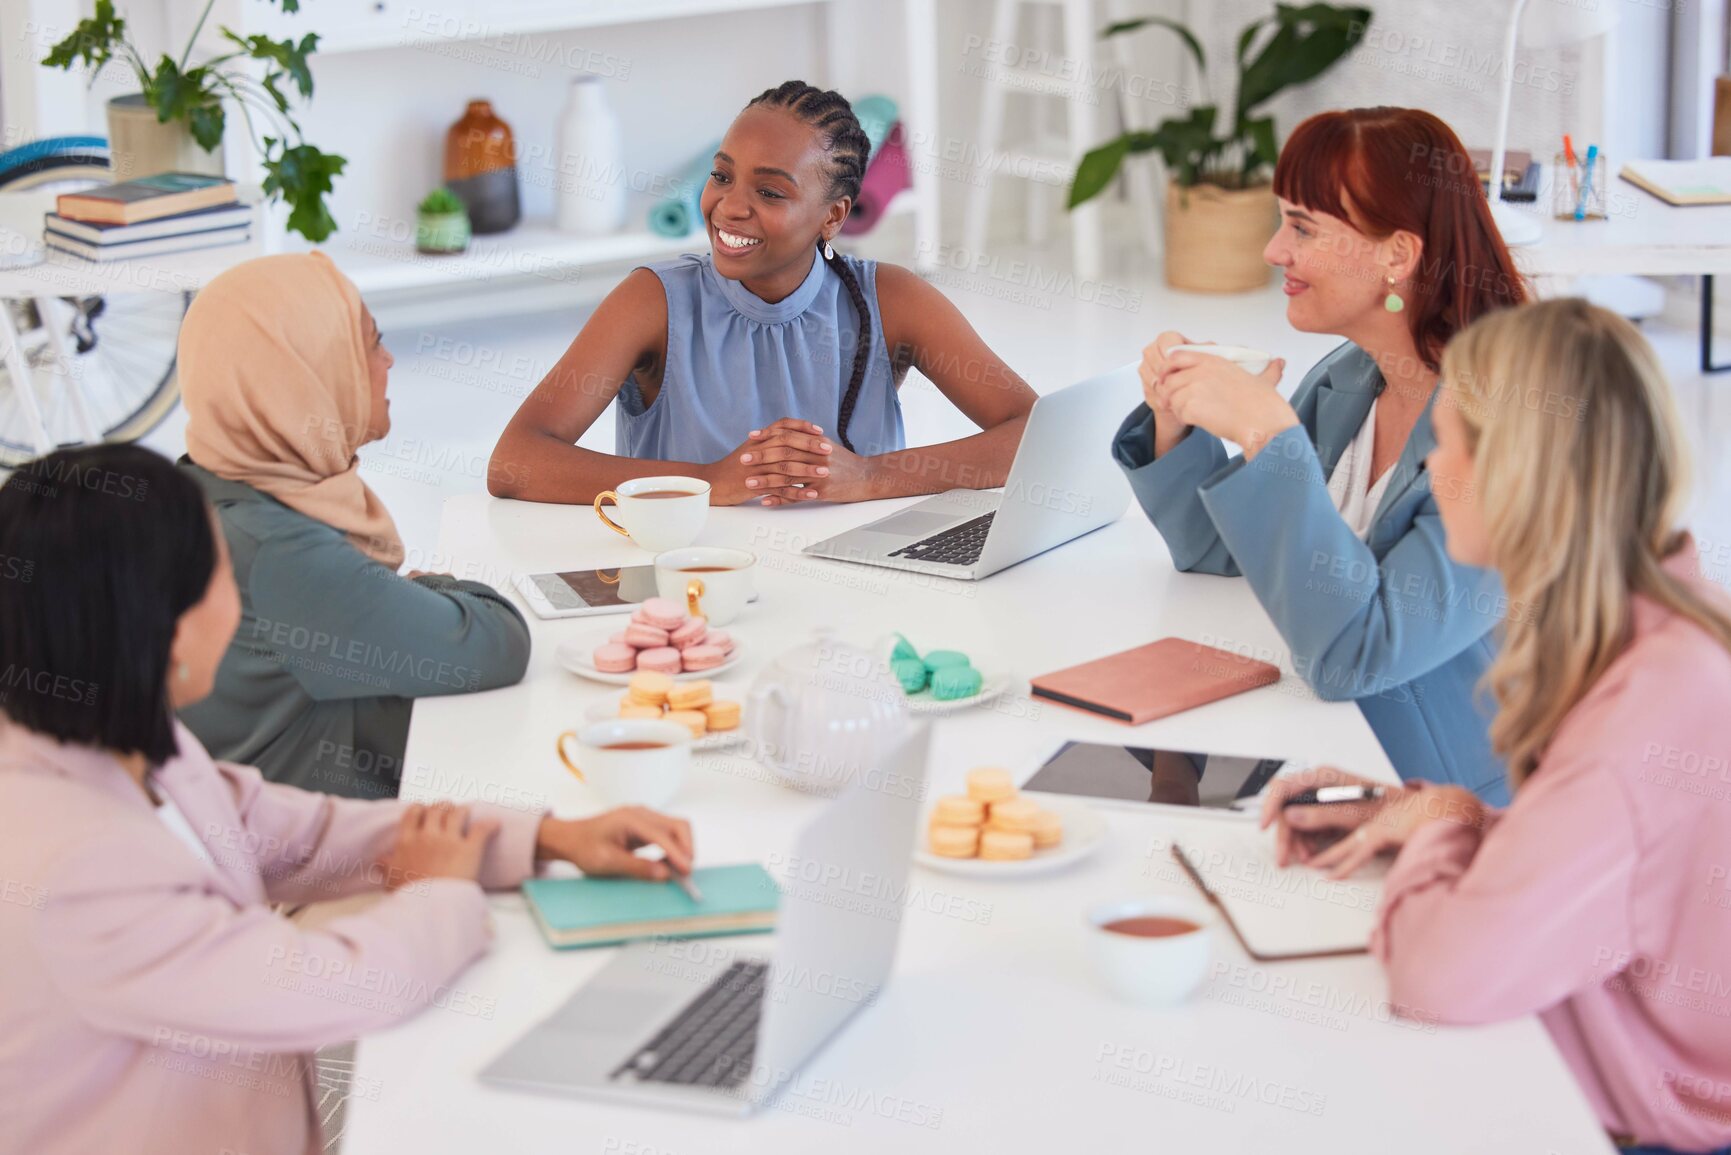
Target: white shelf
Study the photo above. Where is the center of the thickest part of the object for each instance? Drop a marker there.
(371, 25)
(533, 249)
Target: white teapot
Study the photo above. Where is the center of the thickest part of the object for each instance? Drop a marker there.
(824, 714)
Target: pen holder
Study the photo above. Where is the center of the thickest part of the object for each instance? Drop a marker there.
(1577, 194)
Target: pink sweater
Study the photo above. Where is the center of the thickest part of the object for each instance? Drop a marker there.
(1601, 898)
(152, 1005)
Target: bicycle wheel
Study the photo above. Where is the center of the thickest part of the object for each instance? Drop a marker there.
(117, 351)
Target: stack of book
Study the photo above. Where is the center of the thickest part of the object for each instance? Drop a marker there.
(171, 212)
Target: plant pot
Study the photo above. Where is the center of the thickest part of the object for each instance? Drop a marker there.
(139, 145)
(1215, 237)
(442, 232)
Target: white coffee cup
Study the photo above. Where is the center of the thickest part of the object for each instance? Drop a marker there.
(658, 512)
(629, 761)
(710, 581)
(1151, 971)
(1250, 360)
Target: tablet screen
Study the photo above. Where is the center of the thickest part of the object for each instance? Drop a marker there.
(575, 589)
(1139, 774)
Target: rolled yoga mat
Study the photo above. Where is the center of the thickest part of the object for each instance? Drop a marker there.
(877, 115)
(680, 212)
(885, 176)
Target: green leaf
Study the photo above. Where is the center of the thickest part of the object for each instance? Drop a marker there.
(1308, 41)
(1096, 171)
(93, 40)
(291, 6)
(302, 175)
(207, 122)
(1183, 33)
(287, 57)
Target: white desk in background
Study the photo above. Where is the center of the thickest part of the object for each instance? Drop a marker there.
(992, 1036)
(1641, 236)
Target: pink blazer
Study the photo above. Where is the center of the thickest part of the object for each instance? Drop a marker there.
(152, 1005)
(1601, 897)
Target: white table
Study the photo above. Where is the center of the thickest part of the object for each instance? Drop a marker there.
(992, 1035)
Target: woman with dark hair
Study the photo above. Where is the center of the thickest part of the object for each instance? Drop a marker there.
(154, 1002)
(1386, 239)
(734, 364)
(284, 374)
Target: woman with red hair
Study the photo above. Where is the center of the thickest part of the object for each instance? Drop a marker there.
(1387, 241)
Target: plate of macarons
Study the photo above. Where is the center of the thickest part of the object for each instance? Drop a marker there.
(995, 831)
(943, 681)
(712, 712)
(660, 638)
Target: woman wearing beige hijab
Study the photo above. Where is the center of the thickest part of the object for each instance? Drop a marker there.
(283, 372)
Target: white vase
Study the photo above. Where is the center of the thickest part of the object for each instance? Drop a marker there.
(139, 145)
(591, 185)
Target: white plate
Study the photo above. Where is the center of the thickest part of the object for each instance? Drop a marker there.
(1084, 832)
(577, 656)
(992, 687)
(607, 709)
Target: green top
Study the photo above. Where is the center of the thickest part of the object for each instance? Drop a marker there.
(333, 647)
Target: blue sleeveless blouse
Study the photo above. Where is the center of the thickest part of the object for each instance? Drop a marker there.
(736, 363)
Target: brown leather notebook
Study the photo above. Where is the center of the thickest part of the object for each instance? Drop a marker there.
(1155, 680)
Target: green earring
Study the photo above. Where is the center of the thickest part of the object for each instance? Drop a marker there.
(1393, 302)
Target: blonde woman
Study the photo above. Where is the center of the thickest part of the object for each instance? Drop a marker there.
(1590, 900)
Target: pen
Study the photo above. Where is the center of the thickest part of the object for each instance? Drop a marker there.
(1586, 182)
(683, 881)
(1333, 795)
(1574, 168)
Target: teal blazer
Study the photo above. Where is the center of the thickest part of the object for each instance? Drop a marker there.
(1391, 622)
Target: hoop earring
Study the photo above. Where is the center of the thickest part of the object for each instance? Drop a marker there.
(1393, 302)
(828, 251)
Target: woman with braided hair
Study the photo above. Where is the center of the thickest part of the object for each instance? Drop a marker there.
(770, 366)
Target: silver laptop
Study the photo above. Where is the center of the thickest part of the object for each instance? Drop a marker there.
(1063, 484)
(712, 1025)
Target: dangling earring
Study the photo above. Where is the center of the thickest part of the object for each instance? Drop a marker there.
(180, 671)
(828, 251)
(1392, 302)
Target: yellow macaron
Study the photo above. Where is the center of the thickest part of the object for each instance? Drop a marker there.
(722, 714)
(990, 784)
(955, 841)
(1005, 845)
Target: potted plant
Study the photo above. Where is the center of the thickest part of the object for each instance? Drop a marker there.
(441, 223)
(176, 120)
(1220, 206)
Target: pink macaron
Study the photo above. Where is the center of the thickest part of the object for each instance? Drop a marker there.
(662, 613)
(720, 639)
(615, 658)
(644, 637)
(690, 633)
(702, 657)
(661, 659)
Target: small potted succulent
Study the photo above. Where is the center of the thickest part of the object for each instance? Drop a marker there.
(442, 223)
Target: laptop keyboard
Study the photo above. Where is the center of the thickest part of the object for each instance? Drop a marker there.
(711, 1041)
(958, 545)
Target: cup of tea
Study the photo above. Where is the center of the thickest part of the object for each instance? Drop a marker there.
(1151, 951)
(658, 513)
(629, 761)
(709, 581)
(1250, 360)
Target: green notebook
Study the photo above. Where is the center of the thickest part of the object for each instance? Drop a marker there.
(579, 912)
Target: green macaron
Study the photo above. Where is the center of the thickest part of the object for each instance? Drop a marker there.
(903, 649)
(911, 673)
(939, 659)
(955, 681)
